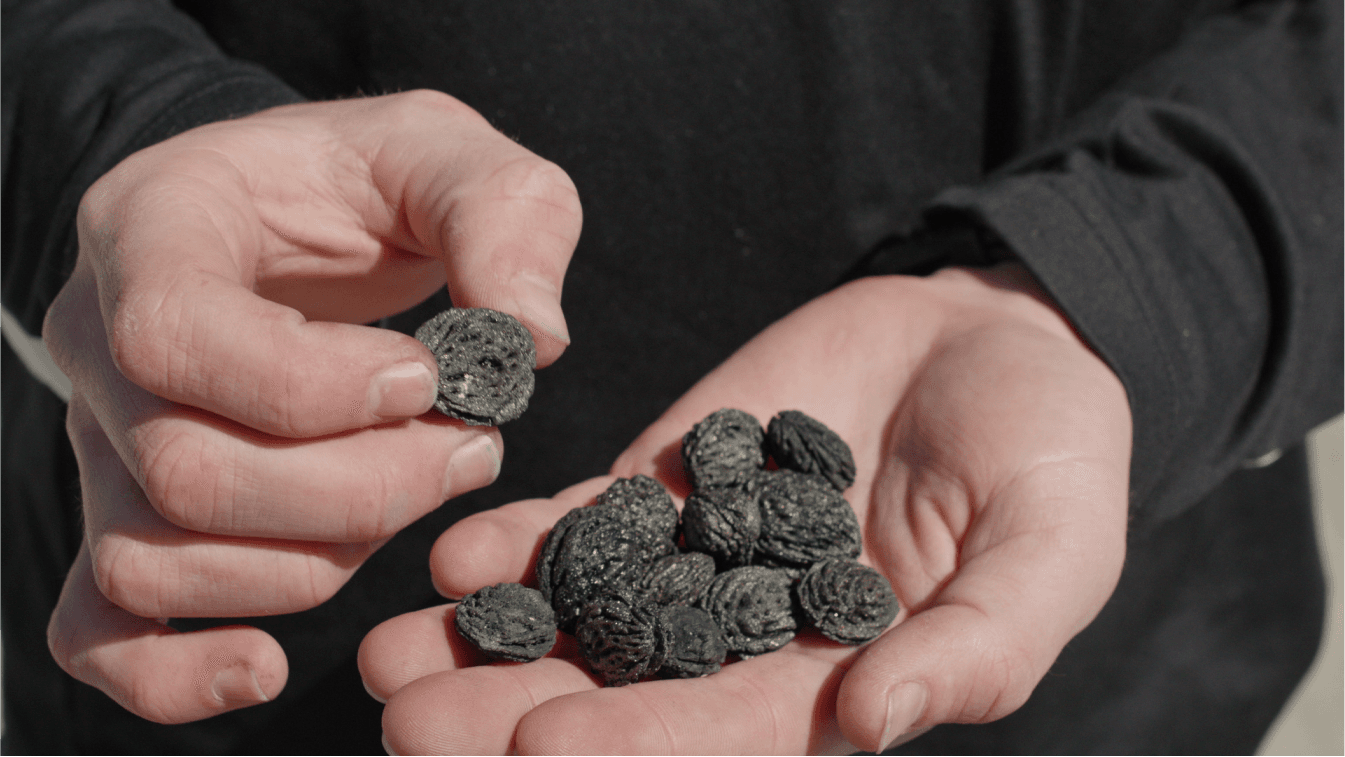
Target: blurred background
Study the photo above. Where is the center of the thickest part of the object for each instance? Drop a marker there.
(1314, 720)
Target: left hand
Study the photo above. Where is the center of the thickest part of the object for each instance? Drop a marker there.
(993, 451)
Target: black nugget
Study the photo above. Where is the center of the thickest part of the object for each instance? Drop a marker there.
(723, 449)
(486, 361)
(848, 602)
(802, 443)
(677, 579)
(754, 607)
(606, 550)
(692, 644)
(723, 522)
(647, 500)
(803, 520)
(618, 636)
(508, 622)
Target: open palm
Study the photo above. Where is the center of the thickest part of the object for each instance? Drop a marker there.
(992, 450)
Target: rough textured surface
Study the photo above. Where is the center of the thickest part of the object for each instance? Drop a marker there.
(605, 550)
(723, 449)
(546, 559)
(647, 500)
(848, 602)
(486, 361)
(754, 607)
(803, 520)
(802, 443)
(693, 645)
(677, 579)
(618, 636)
(508, 622)
(723, 522)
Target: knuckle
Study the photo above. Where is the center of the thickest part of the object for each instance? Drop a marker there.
(127, 575)
(415, 105)
(178, 477)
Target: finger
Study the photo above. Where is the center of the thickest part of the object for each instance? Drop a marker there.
(411, 646)
(208, 474)
(476, 710)
(504, 221)
(152, 670)
(780, 703)
(152, 568)
(501, 545)
(974, 652)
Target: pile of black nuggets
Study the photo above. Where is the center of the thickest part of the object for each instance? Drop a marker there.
(765, 553)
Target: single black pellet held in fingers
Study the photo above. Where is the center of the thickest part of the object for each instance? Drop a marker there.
(803, 520)
(723, 522)
(507, 621)
(723, 449)
(677, 579)
(847, 601)
(755, 608)
(802, 443)
(486, 360)
(618, 637)
(693, 645)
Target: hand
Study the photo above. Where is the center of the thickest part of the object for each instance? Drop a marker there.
(992, 451)
(243, 445)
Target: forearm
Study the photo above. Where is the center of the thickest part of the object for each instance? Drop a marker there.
(1189, 224)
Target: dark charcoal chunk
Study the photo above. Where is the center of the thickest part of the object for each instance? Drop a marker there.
(604, 551)
(693, 645)
(486, 359)
(804, 444)
(677, 579)
(723, 449)
(754, 608)
(648, 500)
(618, 636)
(803, 520)
(508, 622)
(723, 522)
(848, 602)
(546, 559)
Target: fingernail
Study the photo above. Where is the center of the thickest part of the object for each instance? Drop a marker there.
(402, 391)
(905, 705)
(387, 748)
(539, 302)
(371, 693)
(237, 685)
(474, 465)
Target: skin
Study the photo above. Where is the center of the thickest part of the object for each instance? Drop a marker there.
(993, 451)
(243, 445)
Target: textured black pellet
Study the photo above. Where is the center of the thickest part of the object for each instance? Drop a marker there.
(693, 645)
(801, 443)
(804, 520)
(508, 622)
(723, 522)
(486, 361)
(846, 601)
(601, 551)
(754, 607)
(647, 500)
(723, 449)
(677, 579)
(618, 637)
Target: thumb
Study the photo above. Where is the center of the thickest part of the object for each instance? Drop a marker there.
(504, 221)
(976, 650)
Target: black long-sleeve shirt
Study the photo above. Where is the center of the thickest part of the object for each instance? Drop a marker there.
(1170, 171)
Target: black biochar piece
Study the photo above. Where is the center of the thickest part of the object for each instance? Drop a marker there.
(647, 500)
(693, 645)
(618, 636)
(604, 551)
(546, 559)
(846, 601)
(508, 622)
(723, 449)
(754, 607)
(677, 579)
(486, 361)
(801, 443)
(804, 520)
(723, 522)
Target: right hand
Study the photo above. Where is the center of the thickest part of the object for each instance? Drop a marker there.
(243, 444)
